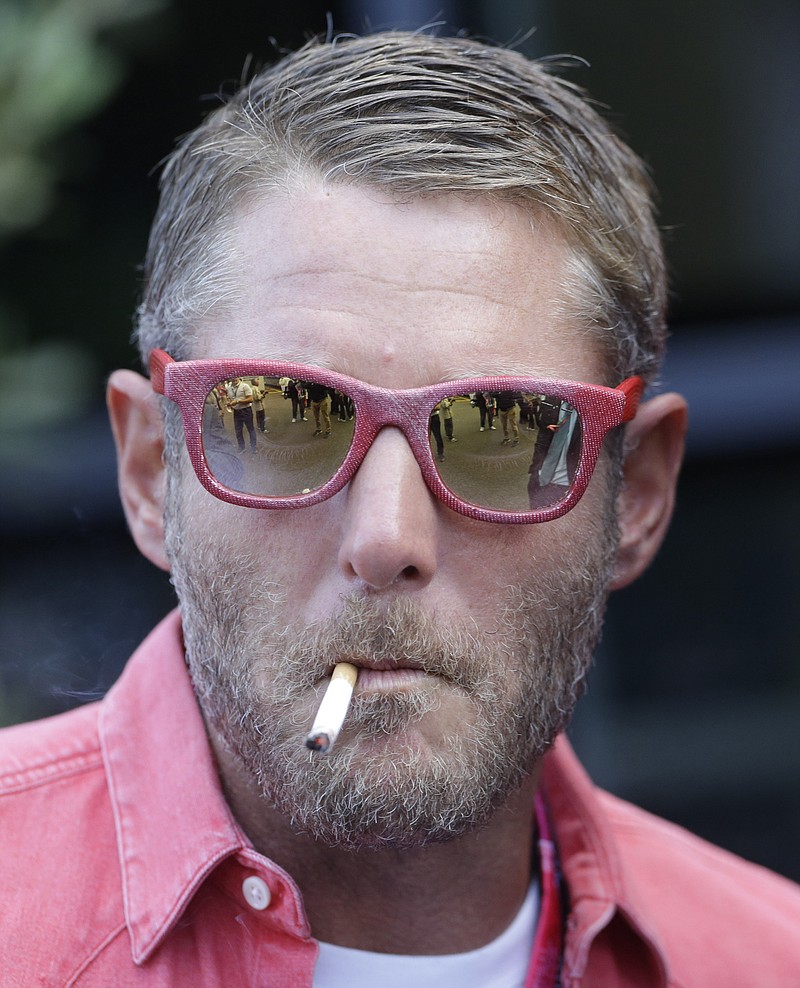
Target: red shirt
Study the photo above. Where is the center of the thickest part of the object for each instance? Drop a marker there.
(122, 865)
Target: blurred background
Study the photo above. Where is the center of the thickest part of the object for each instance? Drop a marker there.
(694, 704)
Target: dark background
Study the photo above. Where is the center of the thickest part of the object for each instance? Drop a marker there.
(694, 704)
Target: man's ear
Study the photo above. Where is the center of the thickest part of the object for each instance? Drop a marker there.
(138, 432)
(654, 444)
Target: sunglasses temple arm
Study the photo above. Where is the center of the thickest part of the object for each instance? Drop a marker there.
(159, 360)
(632, 388)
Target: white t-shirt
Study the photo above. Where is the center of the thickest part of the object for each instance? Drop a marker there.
(239, 392)
(503, 963)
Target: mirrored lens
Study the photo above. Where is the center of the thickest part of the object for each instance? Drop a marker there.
(507, 450)
(275, 437)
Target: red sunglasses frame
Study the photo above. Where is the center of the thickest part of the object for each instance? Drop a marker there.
(189, 382)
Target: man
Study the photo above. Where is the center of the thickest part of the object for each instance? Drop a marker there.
(381, 215)
(240, 401)
(446, 404)
(435, 428)
(507, 407)
(258, 405)
(320, 399)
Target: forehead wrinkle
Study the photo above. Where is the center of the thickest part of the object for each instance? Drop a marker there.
(450, 296)
(330, 281)
(494, 293)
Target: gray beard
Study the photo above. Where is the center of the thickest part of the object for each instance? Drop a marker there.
(254, 673)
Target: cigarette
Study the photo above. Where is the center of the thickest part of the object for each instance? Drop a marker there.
(333, 709)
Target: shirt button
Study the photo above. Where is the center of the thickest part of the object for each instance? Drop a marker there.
(256, 892)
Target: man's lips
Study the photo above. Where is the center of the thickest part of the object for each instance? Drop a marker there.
(388, 679)
(387, 674)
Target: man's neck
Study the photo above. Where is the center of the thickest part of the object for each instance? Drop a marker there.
(438, 899)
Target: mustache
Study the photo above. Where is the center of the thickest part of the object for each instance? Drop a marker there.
(392, 634)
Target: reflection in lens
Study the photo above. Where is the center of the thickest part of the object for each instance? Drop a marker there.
(507, 450)
(275, 437)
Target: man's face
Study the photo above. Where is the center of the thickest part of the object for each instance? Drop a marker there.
(472, 637)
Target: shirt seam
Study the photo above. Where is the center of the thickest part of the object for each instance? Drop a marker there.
(85, 964)
(142, 946)
(45, 773)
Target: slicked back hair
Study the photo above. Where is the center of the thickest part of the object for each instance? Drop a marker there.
(414, 115)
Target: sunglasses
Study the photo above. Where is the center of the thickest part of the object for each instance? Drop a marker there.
(275, 434)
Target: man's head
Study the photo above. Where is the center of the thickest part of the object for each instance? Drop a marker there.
(407, 211)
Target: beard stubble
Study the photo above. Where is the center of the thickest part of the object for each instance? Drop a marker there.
(258, 677)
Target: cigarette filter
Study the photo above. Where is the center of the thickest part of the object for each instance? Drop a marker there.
(333, 708)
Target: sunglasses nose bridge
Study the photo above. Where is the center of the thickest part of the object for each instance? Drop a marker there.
(404, 411)
(401, 409)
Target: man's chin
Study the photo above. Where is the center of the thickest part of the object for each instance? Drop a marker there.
(398, 789)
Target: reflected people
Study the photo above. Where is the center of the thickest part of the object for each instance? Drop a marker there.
(506, 404)
(435, 428)
(556, 452)
(240, 401)
(320, 400)
(258, 406)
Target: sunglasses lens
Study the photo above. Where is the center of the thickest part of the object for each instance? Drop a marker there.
(506, 450)
(275, 437)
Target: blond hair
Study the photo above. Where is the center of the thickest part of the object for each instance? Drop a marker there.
(415, 115)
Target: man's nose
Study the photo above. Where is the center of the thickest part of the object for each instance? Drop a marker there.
(391, 519)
